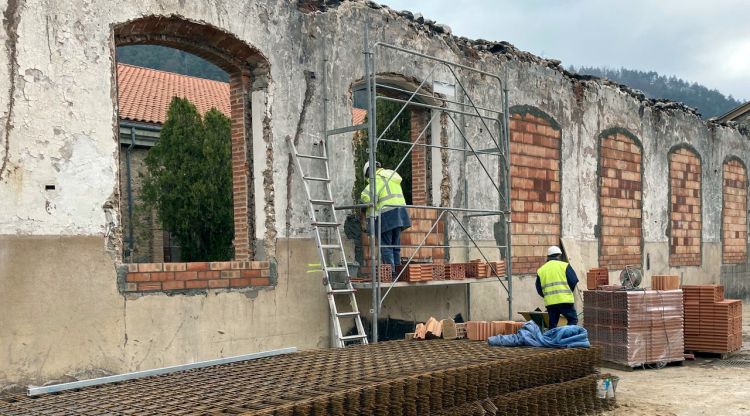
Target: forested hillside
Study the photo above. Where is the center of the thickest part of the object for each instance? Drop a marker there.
(710, 103)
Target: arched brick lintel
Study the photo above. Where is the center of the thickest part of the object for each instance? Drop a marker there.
(536, 112)
(621, 130)
(211, 43)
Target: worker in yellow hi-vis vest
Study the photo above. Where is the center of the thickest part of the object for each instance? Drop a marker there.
(555, 282)
(395, 217)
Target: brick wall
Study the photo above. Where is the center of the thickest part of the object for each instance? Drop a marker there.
(734, 213)
(150, 277)
(620, 201)
(535, 189)
(422, 220)
(419, 179)
(685, 208)
(241, 193)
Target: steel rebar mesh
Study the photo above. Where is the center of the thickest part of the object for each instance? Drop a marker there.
(390, 378)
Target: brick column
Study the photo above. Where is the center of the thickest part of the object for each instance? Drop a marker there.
(734, 213)
(685, 208)
(419, 158)
(239, 83)
(535, 189)
(620, 202)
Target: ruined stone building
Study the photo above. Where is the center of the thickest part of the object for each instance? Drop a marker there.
(621, 179)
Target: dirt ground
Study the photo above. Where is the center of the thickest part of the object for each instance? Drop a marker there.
(706, 386)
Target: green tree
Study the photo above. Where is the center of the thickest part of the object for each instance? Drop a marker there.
(389, 154)
(189, 181)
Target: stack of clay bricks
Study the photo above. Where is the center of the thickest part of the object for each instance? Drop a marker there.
(414, 272)
(385, 272)
(665, 282)
(636, 327)
(712, 323)
(597, 277)
(478, 269)
(481, 330)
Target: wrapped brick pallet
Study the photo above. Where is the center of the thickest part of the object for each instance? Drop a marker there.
(712, 323)
(636, 327)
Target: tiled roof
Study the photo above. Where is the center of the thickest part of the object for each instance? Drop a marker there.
(144, 94)
(358, 115)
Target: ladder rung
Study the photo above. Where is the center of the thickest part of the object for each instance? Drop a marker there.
(315, 178)
(342, 291)
(335, 269)
(325, 224)
(321, 202)
(353, 337)
(347, 314)
(312, 157)
(331, 246)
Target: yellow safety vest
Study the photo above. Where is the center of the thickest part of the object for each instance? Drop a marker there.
(555, 283)
(388, 192)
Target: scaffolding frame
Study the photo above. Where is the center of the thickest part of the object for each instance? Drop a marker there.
(466, 107)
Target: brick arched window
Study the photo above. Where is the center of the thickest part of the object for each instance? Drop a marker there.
(247, 70)
(620, 199)
(685, 222)
(535, 140)
(734, 212)
(248, 73)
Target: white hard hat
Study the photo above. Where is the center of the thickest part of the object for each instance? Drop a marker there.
(367, 166)
(553, 251)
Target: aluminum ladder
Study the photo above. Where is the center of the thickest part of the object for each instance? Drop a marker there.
(330, 223)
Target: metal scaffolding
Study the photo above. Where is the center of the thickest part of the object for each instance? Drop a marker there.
(491, 125)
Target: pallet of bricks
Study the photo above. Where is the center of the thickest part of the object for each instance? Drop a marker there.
(424, 272)
(712, 323)
(635, 327)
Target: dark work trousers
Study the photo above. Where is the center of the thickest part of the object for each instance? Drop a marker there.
(391, 255)
(568, 310)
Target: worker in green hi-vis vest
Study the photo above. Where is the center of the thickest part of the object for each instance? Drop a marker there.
(389, 202)
(555, 282)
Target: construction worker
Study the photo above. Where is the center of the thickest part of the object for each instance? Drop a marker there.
(555, 282)
(389, 201)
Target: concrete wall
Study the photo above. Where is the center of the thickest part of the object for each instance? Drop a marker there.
(61, 314)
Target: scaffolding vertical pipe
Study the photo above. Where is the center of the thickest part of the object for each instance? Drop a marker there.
(509, 215)
(371, 134)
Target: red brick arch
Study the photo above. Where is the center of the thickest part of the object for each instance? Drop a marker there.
(535, 140)
(685, 207)
(248, 71)
(620, 199)
(734, 212)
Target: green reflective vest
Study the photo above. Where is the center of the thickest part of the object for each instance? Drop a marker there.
(555, 283)
(387, 190)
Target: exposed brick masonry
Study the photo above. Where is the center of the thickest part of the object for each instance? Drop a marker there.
(148, 277)
(620, 202)
(419, 158)
(535, 190)
(734, 213)
(685, 208)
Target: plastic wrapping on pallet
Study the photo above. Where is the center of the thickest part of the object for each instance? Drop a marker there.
(636, 327)
(712, 323)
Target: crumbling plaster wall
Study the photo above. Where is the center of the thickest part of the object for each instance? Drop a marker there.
(57, 87)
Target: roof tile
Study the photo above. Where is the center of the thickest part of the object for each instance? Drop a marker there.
(144, 94)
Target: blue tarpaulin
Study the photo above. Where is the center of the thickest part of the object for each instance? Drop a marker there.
(569, 336)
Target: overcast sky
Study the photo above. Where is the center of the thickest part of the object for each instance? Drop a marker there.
(700, 41)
